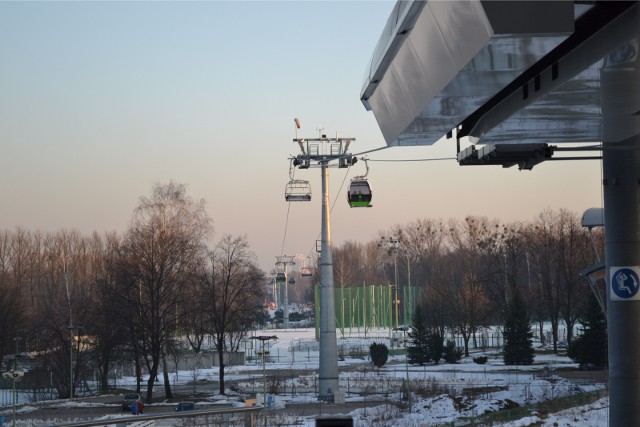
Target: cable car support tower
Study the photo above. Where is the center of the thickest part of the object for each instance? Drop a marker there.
(281, 263)
(320, 152)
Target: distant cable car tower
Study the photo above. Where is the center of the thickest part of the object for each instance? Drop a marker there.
(282, 262)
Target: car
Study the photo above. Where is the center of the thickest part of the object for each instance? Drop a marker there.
(186, 406)
(128, 399)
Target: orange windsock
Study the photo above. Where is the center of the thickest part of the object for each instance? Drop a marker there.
(297, 121)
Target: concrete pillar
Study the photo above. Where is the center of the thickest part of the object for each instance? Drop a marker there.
(620, 89)
(328, 371)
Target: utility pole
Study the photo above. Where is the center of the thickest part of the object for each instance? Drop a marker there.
(282, 261)
(320, 152)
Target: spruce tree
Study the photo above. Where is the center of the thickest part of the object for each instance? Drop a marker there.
(451, 353)
(418, 348)
(518, 337)
(590, 348)
(435, 346)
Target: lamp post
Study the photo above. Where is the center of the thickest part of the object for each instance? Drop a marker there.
(264, 339)
(391, 245)
(13, 374)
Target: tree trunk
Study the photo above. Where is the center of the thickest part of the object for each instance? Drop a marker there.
(104, 376)
(138, 372)
(165, 376)
(153, 374)
(221, 374)
(465, 339)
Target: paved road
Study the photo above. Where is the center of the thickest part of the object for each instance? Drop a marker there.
(88, 409)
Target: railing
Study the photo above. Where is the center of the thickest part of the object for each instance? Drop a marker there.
(244, 416)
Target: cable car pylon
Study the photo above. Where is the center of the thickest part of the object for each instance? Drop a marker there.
(322, 152)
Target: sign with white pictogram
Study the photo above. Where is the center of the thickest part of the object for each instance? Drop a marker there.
(625, 283)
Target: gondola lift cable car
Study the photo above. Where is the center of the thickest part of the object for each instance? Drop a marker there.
(297, 190)
(359, 194)
(281, 278)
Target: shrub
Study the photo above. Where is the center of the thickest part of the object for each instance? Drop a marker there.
(480, 360)
(379, 354)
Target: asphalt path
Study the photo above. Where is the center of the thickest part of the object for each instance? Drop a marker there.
(90, 408)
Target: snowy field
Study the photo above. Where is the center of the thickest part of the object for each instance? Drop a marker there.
(444, 394)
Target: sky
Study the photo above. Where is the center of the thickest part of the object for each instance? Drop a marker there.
(101, 100)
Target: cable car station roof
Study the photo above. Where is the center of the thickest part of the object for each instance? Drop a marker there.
(502, 72)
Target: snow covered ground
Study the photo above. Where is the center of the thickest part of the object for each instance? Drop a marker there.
(441, 394)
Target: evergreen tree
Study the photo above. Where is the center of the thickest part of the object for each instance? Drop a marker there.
(518, 337)
(451, 352)
(379, 354)
(590, 348)
(435, 346)
(418, 349)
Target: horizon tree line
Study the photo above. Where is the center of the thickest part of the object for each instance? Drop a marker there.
(133, 296)
(85, 304)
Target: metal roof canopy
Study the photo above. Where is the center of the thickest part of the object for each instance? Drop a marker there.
(446, 66)
(502, 72)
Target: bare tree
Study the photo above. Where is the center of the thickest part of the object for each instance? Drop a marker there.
(165, 245)
(106, 325)
(235, 293)
(573, 254)
(542, 241)
(65, 307)
(466, 293)
(12, 314)
(423, 242)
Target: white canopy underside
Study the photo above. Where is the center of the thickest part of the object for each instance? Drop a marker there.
(501, 71)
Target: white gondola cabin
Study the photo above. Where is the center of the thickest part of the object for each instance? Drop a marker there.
(297, 190)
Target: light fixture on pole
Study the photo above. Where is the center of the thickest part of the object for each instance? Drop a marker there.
(595, 274)
(13, 374)
(263, 340)
(391, 245)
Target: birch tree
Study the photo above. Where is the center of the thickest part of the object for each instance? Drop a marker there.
(165, 246)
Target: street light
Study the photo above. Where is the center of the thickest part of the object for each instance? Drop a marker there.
(264, 339)
(13, 374)
(391, 245)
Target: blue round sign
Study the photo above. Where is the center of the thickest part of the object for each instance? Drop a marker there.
(625, 283)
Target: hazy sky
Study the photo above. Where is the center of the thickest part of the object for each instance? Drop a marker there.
(100, 100)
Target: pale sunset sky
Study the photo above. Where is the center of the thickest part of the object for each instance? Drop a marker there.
(100, 100)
